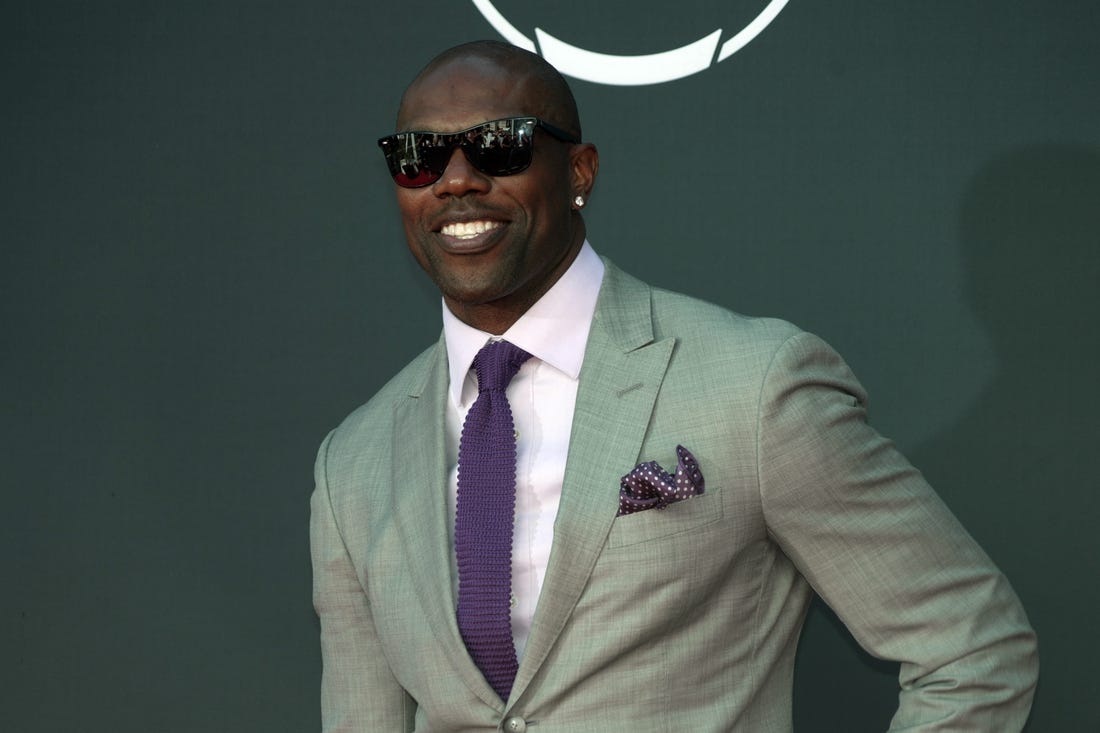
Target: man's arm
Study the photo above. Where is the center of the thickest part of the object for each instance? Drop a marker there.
(358, 691)
(886, 554)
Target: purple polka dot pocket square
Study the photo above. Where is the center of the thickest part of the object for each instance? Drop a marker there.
(648, 486)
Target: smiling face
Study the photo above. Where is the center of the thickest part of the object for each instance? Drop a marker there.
(493, 245)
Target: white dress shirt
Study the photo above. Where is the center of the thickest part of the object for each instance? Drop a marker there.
(542, 396)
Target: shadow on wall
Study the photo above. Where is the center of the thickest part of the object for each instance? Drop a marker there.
(1019, 468)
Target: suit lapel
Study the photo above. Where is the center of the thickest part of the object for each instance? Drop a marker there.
(622, 373)
(420, 487)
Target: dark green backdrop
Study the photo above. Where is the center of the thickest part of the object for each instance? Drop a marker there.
(202, 272)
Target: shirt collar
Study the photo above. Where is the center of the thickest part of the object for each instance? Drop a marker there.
(553, 330)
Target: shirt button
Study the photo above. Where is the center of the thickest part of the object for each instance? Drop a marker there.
(515, 725)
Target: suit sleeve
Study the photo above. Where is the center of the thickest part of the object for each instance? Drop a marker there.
(886, 554)
(358, 690)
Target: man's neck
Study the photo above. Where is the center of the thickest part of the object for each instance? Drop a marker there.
(498, 316)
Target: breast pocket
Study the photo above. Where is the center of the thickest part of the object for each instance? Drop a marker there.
(688, 515)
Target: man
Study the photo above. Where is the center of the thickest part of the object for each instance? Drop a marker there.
(680, 617)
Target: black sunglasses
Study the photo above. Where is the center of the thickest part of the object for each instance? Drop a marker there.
(496, 148)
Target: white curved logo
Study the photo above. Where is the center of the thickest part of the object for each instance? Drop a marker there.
(631, 70)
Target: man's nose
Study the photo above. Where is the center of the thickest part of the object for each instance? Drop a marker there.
(460, 177)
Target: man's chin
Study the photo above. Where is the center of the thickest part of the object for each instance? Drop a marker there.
(472, 297)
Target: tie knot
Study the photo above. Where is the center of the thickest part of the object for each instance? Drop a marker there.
(497, 363)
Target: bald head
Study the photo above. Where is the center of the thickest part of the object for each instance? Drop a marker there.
(542, 90)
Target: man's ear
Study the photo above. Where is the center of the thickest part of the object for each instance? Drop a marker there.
(584, 162)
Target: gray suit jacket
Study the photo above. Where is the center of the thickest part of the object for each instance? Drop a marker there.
(681, 619)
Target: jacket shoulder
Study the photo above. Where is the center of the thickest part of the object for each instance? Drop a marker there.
(683, 317)
(378, 410)
(700, 324)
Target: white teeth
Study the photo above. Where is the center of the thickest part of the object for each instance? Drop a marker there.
(468, 229)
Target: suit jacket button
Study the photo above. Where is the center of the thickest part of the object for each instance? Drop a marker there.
(515, 725)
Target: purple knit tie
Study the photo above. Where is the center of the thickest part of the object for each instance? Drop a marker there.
(485, 516)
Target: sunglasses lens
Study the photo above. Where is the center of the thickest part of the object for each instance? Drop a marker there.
(412, 158)
(413, 175)
(502, 149)
(497, 148)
